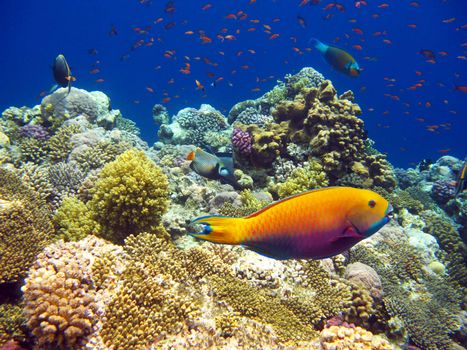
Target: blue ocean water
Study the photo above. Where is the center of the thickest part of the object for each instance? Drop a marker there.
(126, 41)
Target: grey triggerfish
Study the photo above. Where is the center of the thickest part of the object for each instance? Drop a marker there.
(62, 72)
(338, 58)
(213, 167)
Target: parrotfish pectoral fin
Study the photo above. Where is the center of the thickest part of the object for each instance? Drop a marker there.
(219, 229)
(349, 232)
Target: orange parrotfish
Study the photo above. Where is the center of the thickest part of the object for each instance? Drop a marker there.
(312, 225)
(339, 59)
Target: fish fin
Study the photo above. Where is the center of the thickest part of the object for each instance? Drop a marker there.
(349, 232)
(191, 155)
(219, 229)
(289, 198)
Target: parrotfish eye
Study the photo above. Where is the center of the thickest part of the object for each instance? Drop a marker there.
(372, 203)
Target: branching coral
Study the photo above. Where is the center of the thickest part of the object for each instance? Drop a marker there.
(33, 150)
(12, 322)
(249, 205)
(59, 144)
(99, 154)
(451, 242)
(25, 227)
(130, 196)
(310, 176)
(149, 294)
(74, 220)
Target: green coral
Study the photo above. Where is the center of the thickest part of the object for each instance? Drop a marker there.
(60, 144)
(427, 305)
(130, 196)
(33, 150)
(149, 294)
(25, 227)
(74, 220)
(403, 199)
(12, 323)
(249, 205)
(310, 176)
(451, 242)
(99, 154)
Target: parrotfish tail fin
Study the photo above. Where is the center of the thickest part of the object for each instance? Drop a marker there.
(220, 229)
(318, 45)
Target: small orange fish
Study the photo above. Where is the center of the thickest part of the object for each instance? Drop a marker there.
(274, 36)
(358, 31)
(199, 86)
(100, 80)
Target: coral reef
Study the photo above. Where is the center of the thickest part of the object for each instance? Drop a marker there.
(190, 125)
(97, 221)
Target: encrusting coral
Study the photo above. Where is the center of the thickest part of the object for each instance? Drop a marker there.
(130, 196)
(25, 227)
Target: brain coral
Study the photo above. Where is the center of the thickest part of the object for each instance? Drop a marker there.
(130, 196)
(25, 227)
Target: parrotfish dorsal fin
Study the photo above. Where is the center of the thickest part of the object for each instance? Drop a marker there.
(291, 197)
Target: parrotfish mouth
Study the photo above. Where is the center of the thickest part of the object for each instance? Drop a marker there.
(389, 212)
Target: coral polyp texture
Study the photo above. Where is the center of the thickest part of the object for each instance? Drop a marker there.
(95, 251)
(130, 195)
(25, 227)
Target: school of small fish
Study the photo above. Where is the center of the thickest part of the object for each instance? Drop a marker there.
(240, 27)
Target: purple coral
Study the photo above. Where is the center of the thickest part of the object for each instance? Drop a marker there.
(35, 131)
(241, 141)
(443, 190)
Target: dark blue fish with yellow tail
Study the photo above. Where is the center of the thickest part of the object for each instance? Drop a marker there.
(339, 59)
(215, 167)
(62, 72)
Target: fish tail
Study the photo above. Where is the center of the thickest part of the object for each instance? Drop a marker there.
(220, 229)
(318, 45)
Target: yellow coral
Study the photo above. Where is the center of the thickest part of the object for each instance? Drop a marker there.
(339, 337)
(311, 176)
(74, 220)
(130, 196)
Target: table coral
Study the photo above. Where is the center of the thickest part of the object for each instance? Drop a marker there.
(130, 196)
(25, 227)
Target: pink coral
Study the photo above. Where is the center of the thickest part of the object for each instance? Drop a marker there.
(241, 141)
